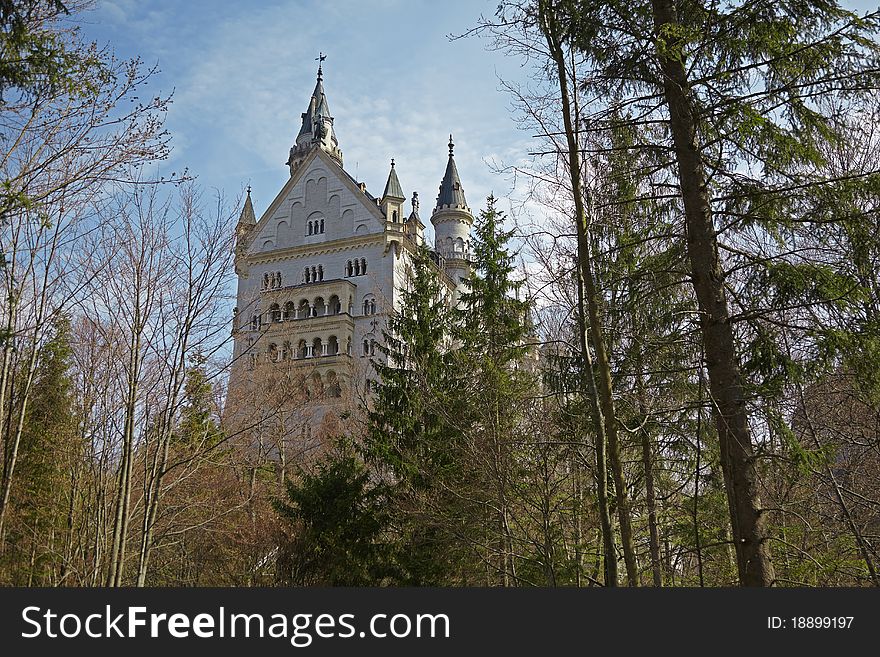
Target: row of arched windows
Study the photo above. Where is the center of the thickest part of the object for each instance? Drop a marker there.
(272, 281)
(306, 309)
(313, 274)
(314, 348)
(315, 227)
(303, 310)
(356, 267)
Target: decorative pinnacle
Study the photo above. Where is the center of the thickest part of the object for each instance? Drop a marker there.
(392, 162)
(451, 145)
(248, 190)
(415, 202)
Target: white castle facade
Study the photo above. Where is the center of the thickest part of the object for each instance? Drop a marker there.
(321, 269)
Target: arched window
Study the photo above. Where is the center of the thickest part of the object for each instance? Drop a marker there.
(289, 311)
(317, 348)
(363, 266)
(394, 216)
(366, 347)
(315, 274)
(303, 311)
(357, 267)
(308, 275)
(266, 281)
(301, 350)
(310, 228)
(348, 268)
(322, 225)
(319, 308)
(320, 272)
(335, 305)
(274, 313)
(332, 346)
(278, 279)
(285, 351)
(255, 322)
(273, 352)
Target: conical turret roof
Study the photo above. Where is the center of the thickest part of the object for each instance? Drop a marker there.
(393, 190)
(318, 111)
(247, 216)
(451, 192)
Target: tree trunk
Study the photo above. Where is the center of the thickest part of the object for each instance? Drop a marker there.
(650, 494)
(725, 380)
(591, 298)
(599, 426)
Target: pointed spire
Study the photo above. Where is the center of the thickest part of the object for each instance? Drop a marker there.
(318, 111)
(317, 126)
(451, 192)
(247, 216)
(393, 190)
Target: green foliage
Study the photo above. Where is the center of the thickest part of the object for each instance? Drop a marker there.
(337, 519)
(47, 450)
(36, 60)
(197, 426)
(494, 323)
(408, 432)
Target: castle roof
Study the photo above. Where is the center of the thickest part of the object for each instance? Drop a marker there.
(393, 190)
(451, 192)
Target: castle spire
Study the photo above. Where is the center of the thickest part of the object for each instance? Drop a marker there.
(247, 216)
(452, 221)
(316, 130)
(451, 192)
(393, 190)
(393, 198)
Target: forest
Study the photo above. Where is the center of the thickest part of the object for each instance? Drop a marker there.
(665, 370)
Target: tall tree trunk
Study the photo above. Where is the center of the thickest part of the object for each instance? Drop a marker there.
(123, 490)
(648, 467)
(591, 295)
(587, 380)
(725, 379)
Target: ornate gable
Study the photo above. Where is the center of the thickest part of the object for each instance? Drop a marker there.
(319, 203)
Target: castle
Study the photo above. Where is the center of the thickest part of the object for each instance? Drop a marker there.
(321, 269)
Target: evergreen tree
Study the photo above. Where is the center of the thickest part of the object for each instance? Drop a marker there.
(413, 437)
(197, 426)
(48, 452)
(492, 334)
(337, 526)
(409, 431)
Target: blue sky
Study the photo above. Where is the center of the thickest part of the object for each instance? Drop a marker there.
(242, 73)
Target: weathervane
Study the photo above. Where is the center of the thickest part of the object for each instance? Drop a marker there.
(320, 59)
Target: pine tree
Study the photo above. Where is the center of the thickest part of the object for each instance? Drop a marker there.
(493, 331)
(409, 431)
(337, 526)
(48, 452)
(197, 426)
(414, 429)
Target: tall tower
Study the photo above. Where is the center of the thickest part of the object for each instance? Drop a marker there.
(452, 221)
(316, 130)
